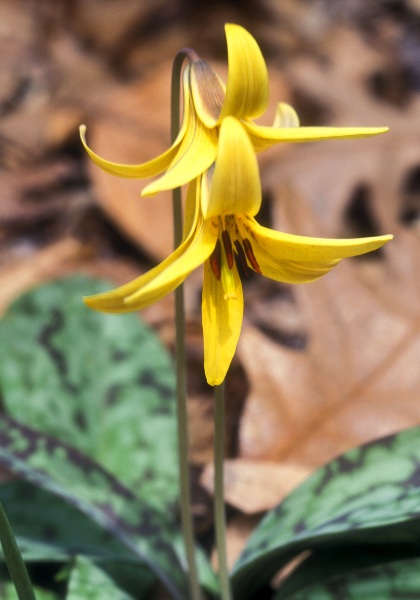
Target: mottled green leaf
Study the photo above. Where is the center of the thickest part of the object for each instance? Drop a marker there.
(77, 479)
(50, 529)
(344, 562)
(89, 582)
(47, 528)
(399, 580)
(102, 383)
(369, 496)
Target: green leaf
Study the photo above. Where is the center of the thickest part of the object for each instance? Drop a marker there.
(62, 470)
(48, 528)
(105, 384)
(8, 592)
(342, 563)
(369, 496)
(88, 581)
(102, 383)
(394, 580)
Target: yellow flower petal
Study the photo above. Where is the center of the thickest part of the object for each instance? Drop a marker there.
(289, 271)
(298, 259)
(247, 84)
(148, 169)
(234, 186)
(222, 322)
(208, 92)
(286, 116)
(191, 209)
(152, 167)
(165, 277)
(265, 137)
(195, 154)
(194, 252)
(114, 300)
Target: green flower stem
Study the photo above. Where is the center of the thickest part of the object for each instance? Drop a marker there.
(14, 561)
(219, 507)
(183, 439)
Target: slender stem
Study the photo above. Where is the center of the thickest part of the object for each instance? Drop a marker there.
(219, 507)
(14, 561)
(181, 389)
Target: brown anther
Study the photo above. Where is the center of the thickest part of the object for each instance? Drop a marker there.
(240, 260)
(250, 255)
(227, 245)
(216, 260)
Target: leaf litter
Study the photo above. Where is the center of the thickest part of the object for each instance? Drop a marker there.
(321, 367)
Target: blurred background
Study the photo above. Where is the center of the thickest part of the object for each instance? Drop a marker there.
(320, 368)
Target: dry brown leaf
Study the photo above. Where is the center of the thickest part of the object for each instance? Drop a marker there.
(329, 174)
(238, 531)
(200, 419)
(105, 23)
(254, 486)
(54, 261)
(358, 377)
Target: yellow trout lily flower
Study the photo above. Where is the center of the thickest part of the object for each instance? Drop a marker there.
(207, 102)
(221, 233)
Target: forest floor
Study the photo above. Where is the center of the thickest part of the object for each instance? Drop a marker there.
(321, 367)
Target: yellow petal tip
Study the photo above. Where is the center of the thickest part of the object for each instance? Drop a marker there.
(82, 133)
(88, 301)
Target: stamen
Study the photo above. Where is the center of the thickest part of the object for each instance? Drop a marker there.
(240, 260)
(216, 260)
(250, 255)
(227, 244)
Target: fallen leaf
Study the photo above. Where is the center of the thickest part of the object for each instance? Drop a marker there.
(239, 528)
(356, 379)
(254, 486)
(52, 262)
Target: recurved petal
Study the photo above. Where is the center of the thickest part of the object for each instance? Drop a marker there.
(192, 208)
(159, 281)
(194, 155)
(234, 186)
(114, 300)
(148, 169)
(222, 322)
(152, 167)
(289, 271)
(208, 92)
(298, 247)
(299, 259)
(263, 137)
(247, 84)
(286, 116)
(194, 252)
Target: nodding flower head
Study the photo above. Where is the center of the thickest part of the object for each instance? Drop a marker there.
(207, 102)
(221, 233)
